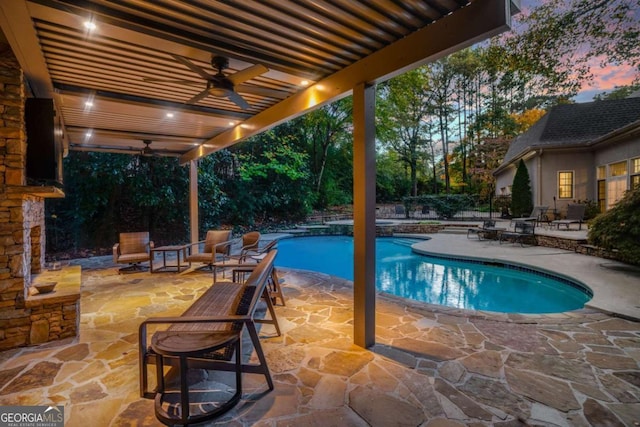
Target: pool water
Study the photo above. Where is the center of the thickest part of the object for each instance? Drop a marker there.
(451, 283)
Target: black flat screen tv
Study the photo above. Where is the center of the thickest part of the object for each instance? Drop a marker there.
(44, 142)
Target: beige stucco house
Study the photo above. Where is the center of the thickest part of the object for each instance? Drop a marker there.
(578, 152)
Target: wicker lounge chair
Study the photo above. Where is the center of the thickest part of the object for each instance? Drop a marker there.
(575, 215)
(132, 249)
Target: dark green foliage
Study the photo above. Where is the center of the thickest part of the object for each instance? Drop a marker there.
(111, 193)
(502, 204)
(521, 196)
(619, 228)
(446, 205)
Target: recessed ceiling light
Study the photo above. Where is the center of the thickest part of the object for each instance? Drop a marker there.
(232, 123)
(88, 134)
(90, 25)
(169, 115)
(304, 83)
(89, 104)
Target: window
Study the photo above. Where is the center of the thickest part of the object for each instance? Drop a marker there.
(635, 173)
(618, 169)
(601, 172)
(565, 184)
(616, 182)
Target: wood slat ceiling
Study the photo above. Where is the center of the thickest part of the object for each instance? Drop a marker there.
(138, 40)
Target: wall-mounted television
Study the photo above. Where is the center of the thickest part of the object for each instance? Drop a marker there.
(44, 142)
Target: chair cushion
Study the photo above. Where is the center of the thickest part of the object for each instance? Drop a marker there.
(135, 257)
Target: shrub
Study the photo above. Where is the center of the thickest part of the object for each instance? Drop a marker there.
(521, 196)
(619, 228)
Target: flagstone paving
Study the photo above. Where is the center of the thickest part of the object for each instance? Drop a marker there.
(431, 366)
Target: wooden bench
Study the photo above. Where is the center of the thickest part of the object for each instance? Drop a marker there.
(225, 309)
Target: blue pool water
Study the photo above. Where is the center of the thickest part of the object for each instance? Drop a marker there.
(451, 283)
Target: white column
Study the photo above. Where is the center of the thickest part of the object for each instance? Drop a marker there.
(364, 215)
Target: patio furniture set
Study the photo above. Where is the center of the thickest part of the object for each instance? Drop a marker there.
(523, 230)
(208, 335)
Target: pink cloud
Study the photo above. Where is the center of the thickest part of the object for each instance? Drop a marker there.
(607, 78)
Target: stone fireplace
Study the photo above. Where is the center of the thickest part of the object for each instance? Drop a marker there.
(25, 318)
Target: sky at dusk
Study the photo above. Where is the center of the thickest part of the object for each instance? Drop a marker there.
(605, 79)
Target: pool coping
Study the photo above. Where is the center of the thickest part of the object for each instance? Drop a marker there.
(614, 292)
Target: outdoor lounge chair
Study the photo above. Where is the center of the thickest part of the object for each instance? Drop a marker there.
(488, 228)
(217, 244)
(523, 233)
(133, 249)
(575, 215)
(538, 214)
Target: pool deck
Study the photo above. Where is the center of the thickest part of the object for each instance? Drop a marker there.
(431, 366)
(615, 286)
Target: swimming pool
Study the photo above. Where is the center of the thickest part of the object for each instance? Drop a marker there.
(452, 283)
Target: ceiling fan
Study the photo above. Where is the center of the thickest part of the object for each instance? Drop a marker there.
(147, 151)
(225, 86)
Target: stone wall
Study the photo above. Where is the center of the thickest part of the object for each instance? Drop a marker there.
(22, 229)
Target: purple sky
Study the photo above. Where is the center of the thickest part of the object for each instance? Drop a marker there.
(605, 79)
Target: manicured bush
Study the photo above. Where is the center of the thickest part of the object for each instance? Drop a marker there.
(619, 228)
(521, 196)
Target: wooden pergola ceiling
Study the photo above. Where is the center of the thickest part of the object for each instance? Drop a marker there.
(315, 51)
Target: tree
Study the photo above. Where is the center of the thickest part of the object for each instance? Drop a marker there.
(324, 130)
(560, 40)
(402, 110)
(521, 196)
(620, 92)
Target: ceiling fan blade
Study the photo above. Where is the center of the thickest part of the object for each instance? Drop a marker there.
(193, 67)
(199, 97)
(239, 100)
(262, 91)
(182, 82)
(247, 74)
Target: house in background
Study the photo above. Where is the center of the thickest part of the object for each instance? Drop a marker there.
(578, 152)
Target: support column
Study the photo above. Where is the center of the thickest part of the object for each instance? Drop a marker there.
(193, 201)
(364, 215)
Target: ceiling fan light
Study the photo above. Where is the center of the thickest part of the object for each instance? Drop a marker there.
(218, 92)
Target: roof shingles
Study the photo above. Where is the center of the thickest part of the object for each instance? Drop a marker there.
(575, 124)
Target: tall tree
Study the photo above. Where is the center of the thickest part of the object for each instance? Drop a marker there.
(403, 107)
(324, 130)
(441, 76)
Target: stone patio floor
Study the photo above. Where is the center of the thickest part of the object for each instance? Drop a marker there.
(431, 366)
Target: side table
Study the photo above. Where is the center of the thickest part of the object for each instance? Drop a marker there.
(180, 256)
